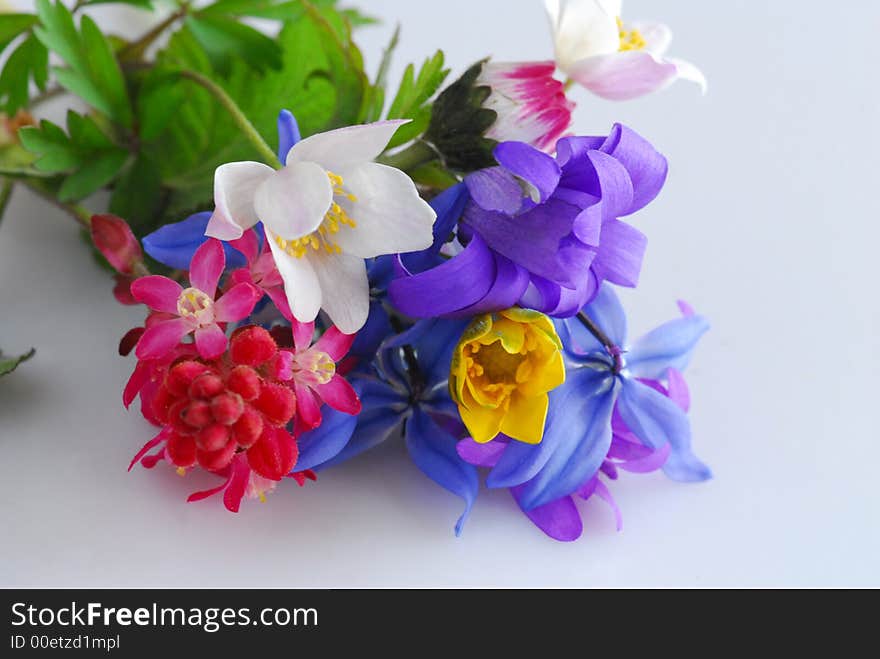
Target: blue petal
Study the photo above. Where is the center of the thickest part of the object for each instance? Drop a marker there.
(607, 312)
(327, 440)
(669, 346)
(434, 341)
(584, 439)
(449, 206)
(433, 451)
(371, 336)
(175, 244)
(655, 420)
(567, 425)
(288, 134)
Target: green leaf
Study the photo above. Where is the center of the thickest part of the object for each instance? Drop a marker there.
(281, 10)
(143, 4)
(226, 39)
(94, 73)
(91, 178)
(17, 162)
(138, 196)
(29, 61)
(9, 364)
(11, 25)
(413, 96)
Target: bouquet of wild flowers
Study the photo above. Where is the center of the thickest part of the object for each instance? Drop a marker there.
(326, 266)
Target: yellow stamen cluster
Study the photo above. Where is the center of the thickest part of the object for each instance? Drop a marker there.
(630, 39)
(192, 303)
(335, 218)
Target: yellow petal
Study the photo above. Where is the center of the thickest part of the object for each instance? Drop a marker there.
(483, 423)
(526, 417)
(511, 334)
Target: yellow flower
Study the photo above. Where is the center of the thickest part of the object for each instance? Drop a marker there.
(502, 369)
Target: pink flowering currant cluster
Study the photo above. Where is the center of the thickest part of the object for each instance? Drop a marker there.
(229, 398)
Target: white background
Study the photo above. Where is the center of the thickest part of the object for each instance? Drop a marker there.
(768, 225)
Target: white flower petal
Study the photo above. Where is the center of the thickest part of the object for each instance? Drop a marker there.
(301, 284)
(234, 186)
(584, 28)
(688, 71)
(345, 289)
(293, 201)
(390, 215)
(623, 76)
(346, 147)
(657, 36)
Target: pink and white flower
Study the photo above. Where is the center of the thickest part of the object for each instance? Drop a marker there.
(531, 104)
(613, 59)
(193, 310)
(329, 208)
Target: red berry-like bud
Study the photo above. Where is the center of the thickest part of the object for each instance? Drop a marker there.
(181, 376)
(274, 455)
(206, 386)
(175, 417)
(217, 460)
(227, 408)
(252, 346)
(198, 414)
(213, 438)
(244, 381)
(181, 450)
(277, 402)
(161, 402)
(248, 428)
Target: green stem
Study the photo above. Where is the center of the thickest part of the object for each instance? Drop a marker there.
(135, 49)
(411, 158)
(266, 152)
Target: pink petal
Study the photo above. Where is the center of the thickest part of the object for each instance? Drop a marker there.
(136, 382)
(157, 292)
(302, 334)
(340, 395)
(249, 245)
(308, 409)
(624, 75)
(206, 267)
(605, 494)
(161, 338)
(199, 496)
(335, 343)
(210, 341)
(241, 474)
(686, 309)
(678, 390)
(237, 303)
(158, 439)
(279, 298)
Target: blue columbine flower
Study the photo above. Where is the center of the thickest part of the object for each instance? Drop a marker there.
(605, 379)
(405, 389)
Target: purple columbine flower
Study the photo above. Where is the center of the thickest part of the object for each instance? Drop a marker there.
(543, 232)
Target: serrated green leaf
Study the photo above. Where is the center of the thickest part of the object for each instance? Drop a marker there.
(85, 134)
(9, 364)
(225, 39)
(17, 162)
(143, 4)
(29, 61)
(55, 150)
(103, 168)
(280, 10)
(413, 96)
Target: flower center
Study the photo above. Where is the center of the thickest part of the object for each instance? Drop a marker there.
(630, 39)
(495, 373)
(197, 305)
(313, 368)
(334, 220)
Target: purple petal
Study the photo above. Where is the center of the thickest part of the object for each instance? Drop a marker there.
(650, 463)
(495, 189)
(621, 251)
(558, 519)
(510, 283)
(533, 166)
(288, 134)
(678, 390)
(480, 455)
(604, 493)
(604, 177)
(647, 167)
(442, 290)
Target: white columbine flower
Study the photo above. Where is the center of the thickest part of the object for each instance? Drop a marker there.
(614, 60)
(326, 211)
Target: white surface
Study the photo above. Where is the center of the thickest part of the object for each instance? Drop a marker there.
(769, 225)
